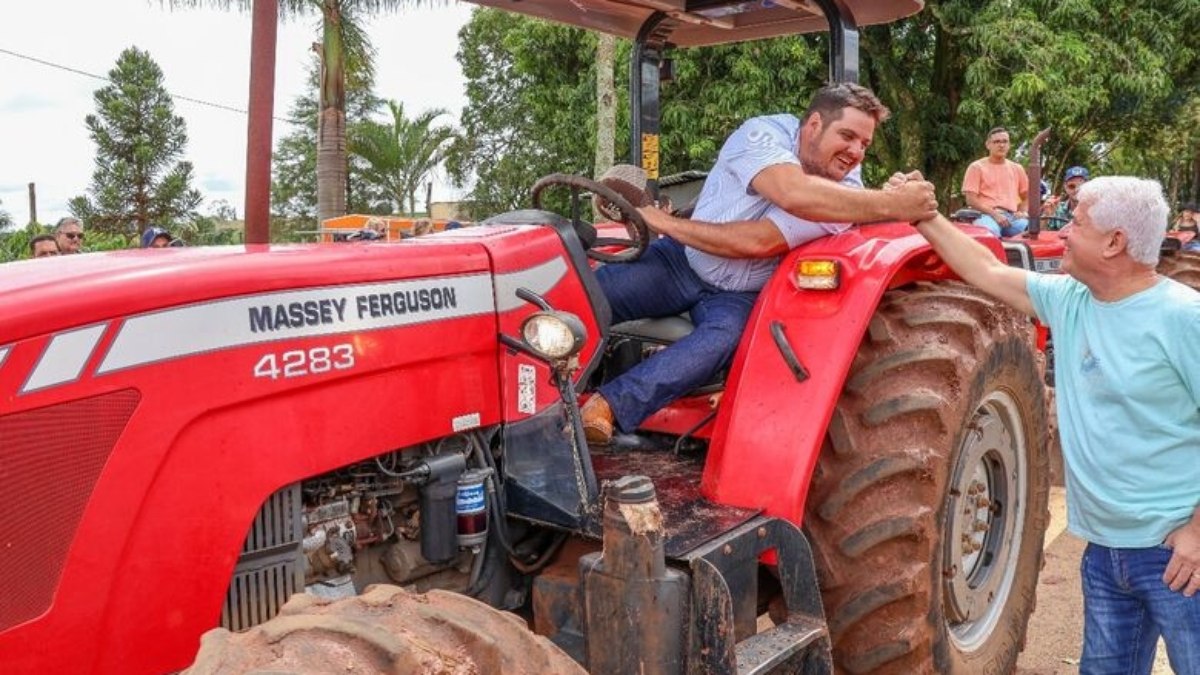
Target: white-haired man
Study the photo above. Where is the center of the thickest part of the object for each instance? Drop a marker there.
(1128, 396)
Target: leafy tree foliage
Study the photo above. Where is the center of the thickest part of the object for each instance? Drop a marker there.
(294, 184)
(1100, 74)
(139, 179)
(401, 155)
(14, 243)
(530, 107)
(1116, 80)
(343, 48)
(6, 220)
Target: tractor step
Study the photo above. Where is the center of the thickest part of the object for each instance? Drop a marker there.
(724, 609)
(774, 648)
(703, 599)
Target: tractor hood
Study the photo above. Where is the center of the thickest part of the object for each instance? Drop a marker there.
(709, 23)
(47, 295)
(83, 324)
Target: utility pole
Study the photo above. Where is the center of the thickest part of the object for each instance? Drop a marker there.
(32, 203)
(258, 133)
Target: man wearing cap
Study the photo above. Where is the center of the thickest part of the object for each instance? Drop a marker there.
(156, 237)
(69, 235)
(998, 188)
(1064, 207)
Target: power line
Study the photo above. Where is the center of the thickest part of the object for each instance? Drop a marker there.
(219, 106)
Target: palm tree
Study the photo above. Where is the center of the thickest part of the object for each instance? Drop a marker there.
(342, 40)
(402, 154)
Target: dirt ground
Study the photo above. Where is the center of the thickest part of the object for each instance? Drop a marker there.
(1056, 627)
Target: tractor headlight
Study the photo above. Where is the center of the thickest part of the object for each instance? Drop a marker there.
(554, 335)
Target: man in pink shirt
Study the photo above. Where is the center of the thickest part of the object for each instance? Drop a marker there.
(997, 187)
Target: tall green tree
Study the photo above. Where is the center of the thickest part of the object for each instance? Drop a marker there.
(606, 104)
(139, 178)
(294, 183)
(530, 107)
(1092, 70)
(6, 220)
(1111, 77)
(342, 41)
(401, 154)
(531, 102)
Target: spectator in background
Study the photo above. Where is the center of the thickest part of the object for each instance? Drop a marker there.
(1063, 209)
(68, 232)
(453, 225)
(998, 188)
(422, 226)
(374, 229)
(43, 246)
(156, 237)
(1187, 220)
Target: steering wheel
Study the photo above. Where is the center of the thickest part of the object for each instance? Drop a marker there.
(635, 225)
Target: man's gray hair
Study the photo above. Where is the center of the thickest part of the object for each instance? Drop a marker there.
(1134, 205)
(67, 220)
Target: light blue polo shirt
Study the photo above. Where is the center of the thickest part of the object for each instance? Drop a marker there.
(727, 197)
(1127, 378)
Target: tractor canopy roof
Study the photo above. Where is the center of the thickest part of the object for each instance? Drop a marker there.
(709, 22)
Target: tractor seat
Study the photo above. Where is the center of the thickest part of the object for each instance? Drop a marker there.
(666, 330)
(662, 331)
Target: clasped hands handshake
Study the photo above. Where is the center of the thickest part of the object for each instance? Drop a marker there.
(913, 197)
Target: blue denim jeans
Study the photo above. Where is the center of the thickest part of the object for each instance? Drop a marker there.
(1127, 607)
(659, 284)
(1015, 225)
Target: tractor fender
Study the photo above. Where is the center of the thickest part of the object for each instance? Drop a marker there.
(771, 424)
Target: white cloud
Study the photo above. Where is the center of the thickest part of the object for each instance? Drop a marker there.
(204, 54)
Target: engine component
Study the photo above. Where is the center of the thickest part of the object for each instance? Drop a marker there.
(471, 507)
(403, 562)
(439, 543)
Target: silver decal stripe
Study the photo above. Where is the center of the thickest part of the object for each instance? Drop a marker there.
(539, 279)
(268, 317)
(64, 358)
(3, 355)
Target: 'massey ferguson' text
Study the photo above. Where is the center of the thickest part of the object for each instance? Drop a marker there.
(270, 318)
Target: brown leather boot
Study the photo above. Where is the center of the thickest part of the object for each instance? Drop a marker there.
(597, 420)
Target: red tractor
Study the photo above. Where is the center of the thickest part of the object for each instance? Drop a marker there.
(193, 436)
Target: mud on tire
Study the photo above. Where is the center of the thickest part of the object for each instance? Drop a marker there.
(1183, 267)
(384, 630)
(929, 503)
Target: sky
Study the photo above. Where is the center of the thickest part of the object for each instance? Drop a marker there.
(204, 55)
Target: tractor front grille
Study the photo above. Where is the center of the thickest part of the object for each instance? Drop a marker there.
(271, 566)
(50, 460)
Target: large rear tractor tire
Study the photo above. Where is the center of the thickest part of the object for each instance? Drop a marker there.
(384, 630)
(1183, 266)
(929, 503)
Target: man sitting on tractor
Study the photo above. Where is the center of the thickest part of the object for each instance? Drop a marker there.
(998, 188)
(773, 175)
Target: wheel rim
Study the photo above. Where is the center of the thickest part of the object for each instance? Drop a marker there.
(986, 507)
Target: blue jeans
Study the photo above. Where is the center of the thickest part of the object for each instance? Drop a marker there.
(1015, 225)
(659, 284)
(1127, 607)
